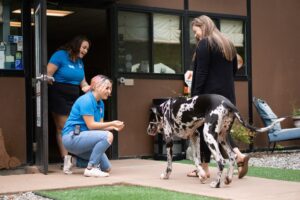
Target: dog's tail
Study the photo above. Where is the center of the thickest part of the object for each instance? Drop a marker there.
(255, 129)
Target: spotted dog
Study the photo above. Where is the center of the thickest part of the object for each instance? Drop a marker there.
(182, 116)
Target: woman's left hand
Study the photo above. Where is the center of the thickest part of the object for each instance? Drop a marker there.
(86, 88)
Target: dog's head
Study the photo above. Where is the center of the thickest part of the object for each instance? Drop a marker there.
(155, 121)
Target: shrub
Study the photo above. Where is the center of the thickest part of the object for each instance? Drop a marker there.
(242, 134)
(296, 111)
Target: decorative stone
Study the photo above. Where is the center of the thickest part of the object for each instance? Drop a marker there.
(6, 162)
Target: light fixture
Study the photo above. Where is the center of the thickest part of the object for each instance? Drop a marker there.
(53, 13)
(17, 24)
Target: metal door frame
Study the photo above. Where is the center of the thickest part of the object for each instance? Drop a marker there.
(41, 88)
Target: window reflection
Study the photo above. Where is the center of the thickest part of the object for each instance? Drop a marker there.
(11, 39)
(133, 42)
(234, 30)
(167, 44)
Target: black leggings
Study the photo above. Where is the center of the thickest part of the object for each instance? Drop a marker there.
(204, 150)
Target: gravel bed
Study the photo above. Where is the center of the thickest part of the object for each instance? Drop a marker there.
(283, 160)
(23, 196)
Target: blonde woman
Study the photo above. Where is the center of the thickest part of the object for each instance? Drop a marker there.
(85, 134)
(215, 63)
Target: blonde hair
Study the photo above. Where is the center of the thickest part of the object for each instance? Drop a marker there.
(98, 80)
(214, 36)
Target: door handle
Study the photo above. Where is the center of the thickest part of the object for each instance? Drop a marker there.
(44, 77)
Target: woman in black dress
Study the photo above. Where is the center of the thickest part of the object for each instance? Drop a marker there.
(215, 63)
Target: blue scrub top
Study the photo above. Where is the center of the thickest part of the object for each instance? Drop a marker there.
(67, 71)
(84, 105)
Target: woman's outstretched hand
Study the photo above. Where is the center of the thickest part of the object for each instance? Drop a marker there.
(118, 125)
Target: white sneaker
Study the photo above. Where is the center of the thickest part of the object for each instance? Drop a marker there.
(68, 165)
(95, 172)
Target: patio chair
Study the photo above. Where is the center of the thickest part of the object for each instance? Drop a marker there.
(276, 134)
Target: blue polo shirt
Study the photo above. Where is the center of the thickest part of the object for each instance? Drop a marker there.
(67, 71)
(84, 105)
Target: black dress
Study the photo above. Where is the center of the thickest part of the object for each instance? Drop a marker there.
(212, 74)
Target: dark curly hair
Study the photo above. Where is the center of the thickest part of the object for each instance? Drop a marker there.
(73, 47)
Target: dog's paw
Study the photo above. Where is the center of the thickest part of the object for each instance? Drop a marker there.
(227, 180)
(215, 184)
(164, 176)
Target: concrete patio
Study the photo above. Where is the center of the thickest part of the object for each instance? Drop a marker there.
(147, 173)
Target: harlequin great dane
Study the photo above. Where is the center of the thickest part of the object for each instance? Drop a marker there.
(182, 116)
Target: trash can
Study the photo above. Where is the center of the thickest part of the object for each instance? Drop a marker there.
(179, 145)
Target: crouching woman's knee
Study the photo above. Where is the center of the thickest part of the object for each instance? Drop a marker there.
(110, 137)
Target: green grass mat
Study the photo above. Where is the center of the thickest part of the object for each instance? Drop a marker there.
(120, 192)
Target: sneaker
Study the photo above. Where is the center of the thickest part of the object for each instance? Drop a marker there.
(95, 172)
(67, 164)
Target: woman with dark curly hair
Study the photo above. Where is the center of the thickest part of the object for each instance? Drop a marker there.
(67, 69)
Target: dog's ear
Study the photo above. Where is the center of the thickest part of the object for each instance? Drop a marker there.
(156, 110)
(153, 109)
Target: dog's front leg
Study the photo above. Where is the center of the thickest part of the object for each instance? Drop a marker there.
(169, 146)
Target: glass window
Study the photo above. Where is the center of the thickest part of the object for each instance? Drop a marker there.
(192, 45)
(167, 44)
(11, 39)
(133, 42)
(135, 48)
(234, 30)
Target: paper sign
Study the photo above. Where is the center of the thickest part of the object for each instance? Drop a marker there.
(2, 60)
(10, 59)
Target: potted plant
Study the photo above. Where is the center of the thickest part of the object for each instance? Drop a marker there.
(296, 116)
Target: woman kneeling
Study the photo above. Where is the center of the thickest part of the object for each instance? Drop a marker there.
(85, 134)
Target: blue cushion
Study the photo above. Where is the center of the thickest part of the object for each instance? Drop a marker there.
(266, 114)
(284, 134)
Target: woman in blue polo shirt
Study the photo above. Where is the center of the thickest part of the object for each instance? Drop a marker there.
(67, 69)
(85, 135)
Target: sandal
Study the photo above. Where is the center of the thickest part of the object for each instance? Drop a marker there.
(243, 167)
(194, 173)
